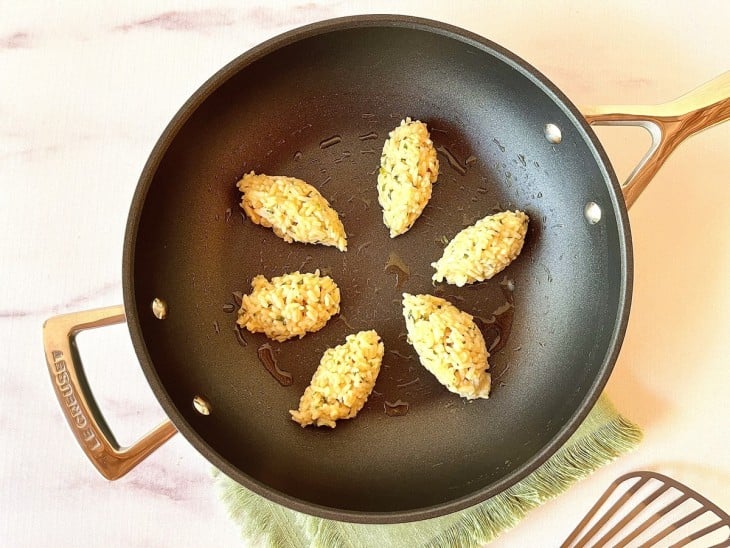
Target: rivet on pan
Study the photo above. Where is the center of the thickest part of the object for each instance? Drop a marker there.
(159, 309)
(201, 405)
(592, 212)
(553, 134)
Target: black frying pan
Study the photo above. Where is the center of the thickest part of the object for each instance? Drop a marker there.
(307, 104)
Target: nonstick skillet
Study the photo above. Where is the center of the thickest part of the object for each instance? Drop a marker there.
(317, 103)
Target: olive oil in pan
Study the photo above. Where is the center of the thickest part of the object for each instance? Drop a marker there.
(239, 336)
(497, 329)
(330, 141)
(267, 358)
(451, 159)
(402, 271)
(397, 408)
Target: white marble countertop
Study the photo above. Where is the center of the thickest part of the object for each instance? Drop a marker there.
(85, 92)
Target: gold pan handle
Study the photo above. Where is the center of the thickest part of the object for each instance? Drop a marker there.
(77, 403)
(669, 124)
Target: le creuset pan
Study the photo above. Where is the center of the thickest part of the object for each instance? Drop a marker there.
(317, 103)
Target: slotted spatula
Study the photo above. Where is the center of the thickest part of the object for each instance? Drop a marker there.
(649, 509)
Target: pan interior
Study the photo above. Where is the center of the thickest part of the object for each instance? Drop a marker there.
(348, 88)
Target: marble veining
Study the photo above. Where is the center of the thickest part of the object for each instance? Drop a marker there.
(193, 20)
(72, 304)
(15, 40)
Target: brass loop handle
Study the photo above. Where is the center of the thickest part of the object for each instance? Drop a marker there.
(77, 403)
(669, 124)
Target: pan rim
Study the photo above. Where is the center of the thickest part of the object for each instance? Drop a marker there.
(342, 24)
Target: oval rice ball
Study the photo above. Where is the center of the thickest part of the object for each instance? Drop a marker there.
(482, 250)
(449, 344)
(408, 169)
(343, 381)
(289, 306)
(295, 210)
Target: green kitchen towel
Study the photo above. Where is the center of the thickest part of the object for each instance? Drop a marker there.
(602, 437)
